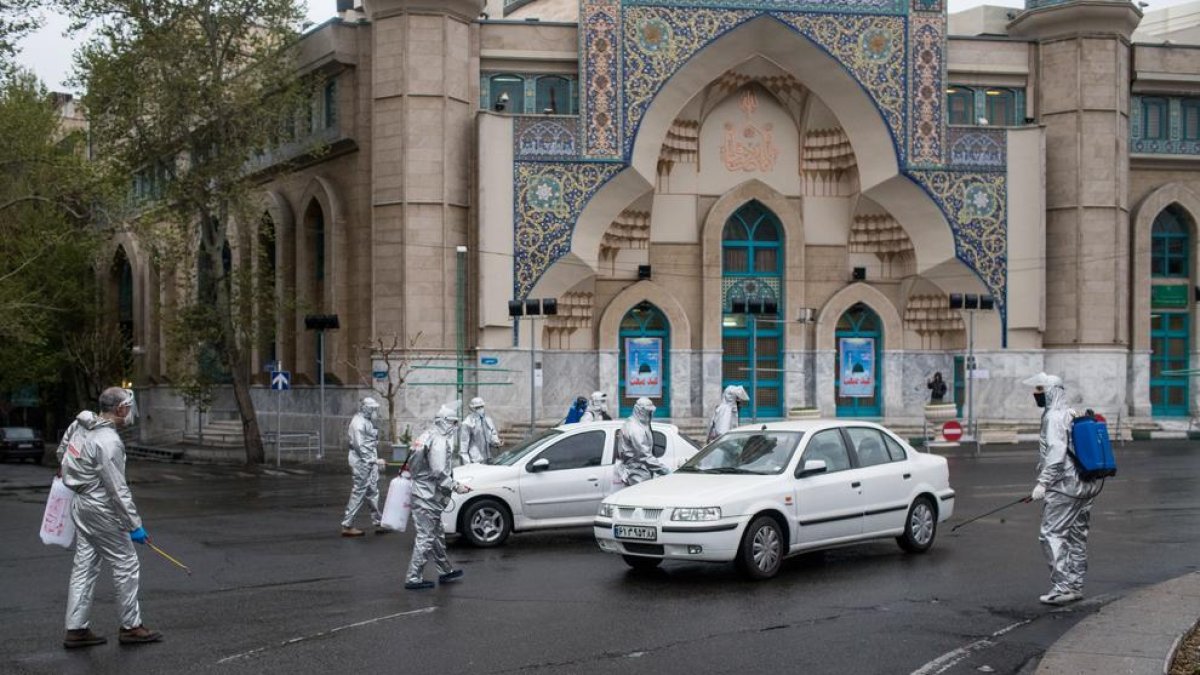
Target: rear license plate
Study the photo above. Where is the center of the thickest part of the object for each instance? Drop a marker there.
(634, 532)
(26, 446)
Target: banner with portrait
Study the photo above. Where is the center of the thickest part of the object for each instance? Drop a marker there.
(856, 367)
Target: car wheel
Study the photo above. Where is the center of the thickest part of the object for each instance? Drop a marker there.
(762, 550)
(486, 523)
(641, 563)
(920, 527)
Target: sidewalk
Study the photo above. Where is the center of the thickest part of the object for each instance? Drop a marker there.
(1135, 635)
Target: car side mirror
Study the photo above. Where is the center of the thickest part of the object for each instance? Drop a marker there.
(813, 467)
(539, 464)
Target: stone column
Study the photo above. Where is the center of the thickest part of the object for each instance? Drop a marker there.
(424, 92)
(1082, 100)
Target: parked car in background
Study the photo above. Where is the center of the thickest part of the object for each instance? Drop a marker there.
(20, 443)
(759, 494)
(555, 479)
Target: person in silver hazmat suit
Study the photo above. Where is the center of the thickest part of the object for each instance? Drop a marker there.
(635, 453)
(726, 416)
(597, 409)
(1068, 498)
(363, 438)
(433, 483)
(478, 435)
(106, 520)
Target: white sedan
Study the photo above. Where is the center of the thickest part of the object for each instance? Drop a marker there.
(759, 494)
(555, 479)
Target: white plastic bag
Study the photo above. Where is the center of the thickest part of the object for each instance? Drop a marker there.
(57, 525)
(398, 504)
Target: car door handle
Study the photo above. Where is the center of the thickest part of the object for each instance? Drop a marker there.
(856, 484)
(907, 476)
(594, 479)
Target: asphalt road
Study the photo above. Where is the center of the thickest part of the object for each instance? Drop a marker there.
(277, 590)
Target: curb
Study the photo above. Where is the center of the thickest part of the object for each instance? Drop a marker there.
(1136, 635)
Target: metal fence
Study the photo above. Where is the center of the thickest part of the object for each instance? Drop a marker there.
(293, 444)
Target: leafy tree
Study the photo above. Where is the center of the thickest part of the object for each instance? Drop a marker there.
(17, 19)
(51, 220)
(189, 91)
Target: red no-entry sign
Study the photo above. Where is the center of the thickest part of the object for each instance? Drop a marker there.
(952, 430)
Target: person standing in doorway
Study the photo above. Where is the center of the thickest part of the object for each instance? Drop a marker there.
(937, 388)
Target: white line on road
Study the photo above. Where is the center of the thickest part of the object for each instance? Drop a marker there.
(304, 638)
(950, 659)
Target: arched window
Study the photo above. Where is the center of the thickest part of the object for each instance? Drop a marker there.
(859, 334)
(554, 95)
(1000, 108)
(507, 92)
(960, 104)
(1169, 245)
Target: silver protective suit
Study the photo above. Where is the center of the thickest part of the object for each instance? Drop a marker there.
(433, 483)
(725, 417)
(597, 408)
(93, 466)
(363, 438)
(82, 424)
(477, 435)
(635, 453)
(1069, 499)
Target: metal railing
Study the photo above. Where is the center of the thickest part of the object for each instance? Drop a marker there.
(293, 443)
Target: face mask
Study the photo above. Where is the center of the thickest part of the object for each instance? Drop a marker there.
(1040, 398)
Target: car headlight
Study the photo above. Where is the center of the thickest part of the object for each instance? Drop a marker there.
(607, 511)
(706, 513)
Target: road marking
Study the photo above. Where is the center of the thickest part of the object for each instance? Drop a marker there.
(950, 659)
(305, 638)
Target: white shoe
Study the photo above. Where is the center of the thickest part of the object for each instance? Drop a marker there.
(1057, 598)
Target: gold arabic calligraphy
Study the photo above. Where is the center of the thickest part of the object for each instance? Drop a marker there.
(755, 150)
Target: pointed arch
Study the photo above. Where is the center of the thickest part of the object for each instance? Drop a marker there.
(827, 319)
(1142, 222)
(644, 291)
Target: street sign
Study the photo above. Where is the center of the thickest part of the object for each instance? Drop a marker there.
(489, 361)
(952, 431)
(271, 366)
(281, 380)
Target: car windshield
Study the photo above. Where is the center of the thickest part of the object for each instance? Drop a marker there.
(18, 434)
(523, 448)
(755, 452)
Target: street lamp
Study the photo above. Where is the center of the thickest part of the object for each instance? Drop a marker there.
(971, 303)
(532, 308)
(321, 323)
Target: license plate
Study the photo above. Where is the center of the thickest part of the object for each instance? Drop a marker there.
(634, 532)
(25, 446)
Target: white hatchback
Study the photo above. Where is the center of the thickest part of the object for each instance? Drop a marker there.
(759, 494)
(555, 479)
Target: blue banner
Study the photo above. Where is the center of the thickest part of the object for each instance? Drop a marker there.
(857, 367)
(643, 367)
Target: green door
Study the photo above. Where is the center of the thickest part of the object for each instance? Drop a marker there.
(752, 271)
(645, 342)
(857, 372)
(1170, 318)
(1169, 340)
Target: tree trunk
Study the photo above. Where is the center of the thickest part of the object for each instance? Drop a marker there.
(230, 348)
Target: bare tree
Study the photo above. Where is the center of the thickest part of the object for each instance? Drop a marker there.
(399, 362)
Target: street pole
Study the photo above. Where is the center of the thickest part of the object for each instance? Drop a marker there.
(753, 351)
(460, 316)
(321, 364)
(532, 366)
(278, 420)
(971, 378)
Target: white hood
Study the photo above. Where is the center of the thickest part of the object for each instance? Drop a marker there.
(691, 489)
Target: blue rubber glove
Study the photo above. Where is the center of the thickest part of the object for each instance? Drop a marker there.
(139, 535)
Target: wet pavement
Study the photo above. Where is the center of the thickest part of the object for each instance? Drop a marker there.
(275, 588)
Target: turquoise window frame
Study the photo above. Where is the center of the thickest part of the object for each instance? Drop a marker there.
(967, 95)
(1163, 240)
(733, 326)
(1189, 111)
(652, 312)
(856, 409)
(1153, 107)
(1161, 385)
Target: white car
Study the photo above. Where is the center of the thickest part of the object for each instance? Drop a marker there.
(759, 494)
(555, 479)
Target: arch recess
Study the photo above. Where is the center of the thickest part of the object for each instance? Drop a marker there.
(893, 327)
(1143, 222)
(648, 291)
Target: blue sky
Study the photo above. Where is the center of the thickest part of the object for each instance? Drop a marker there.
(48, 53)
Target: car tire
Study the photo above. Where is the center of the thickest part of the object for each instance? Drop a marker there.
(761, 554)
(920, 526)
(641, 563)
(486, 523)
